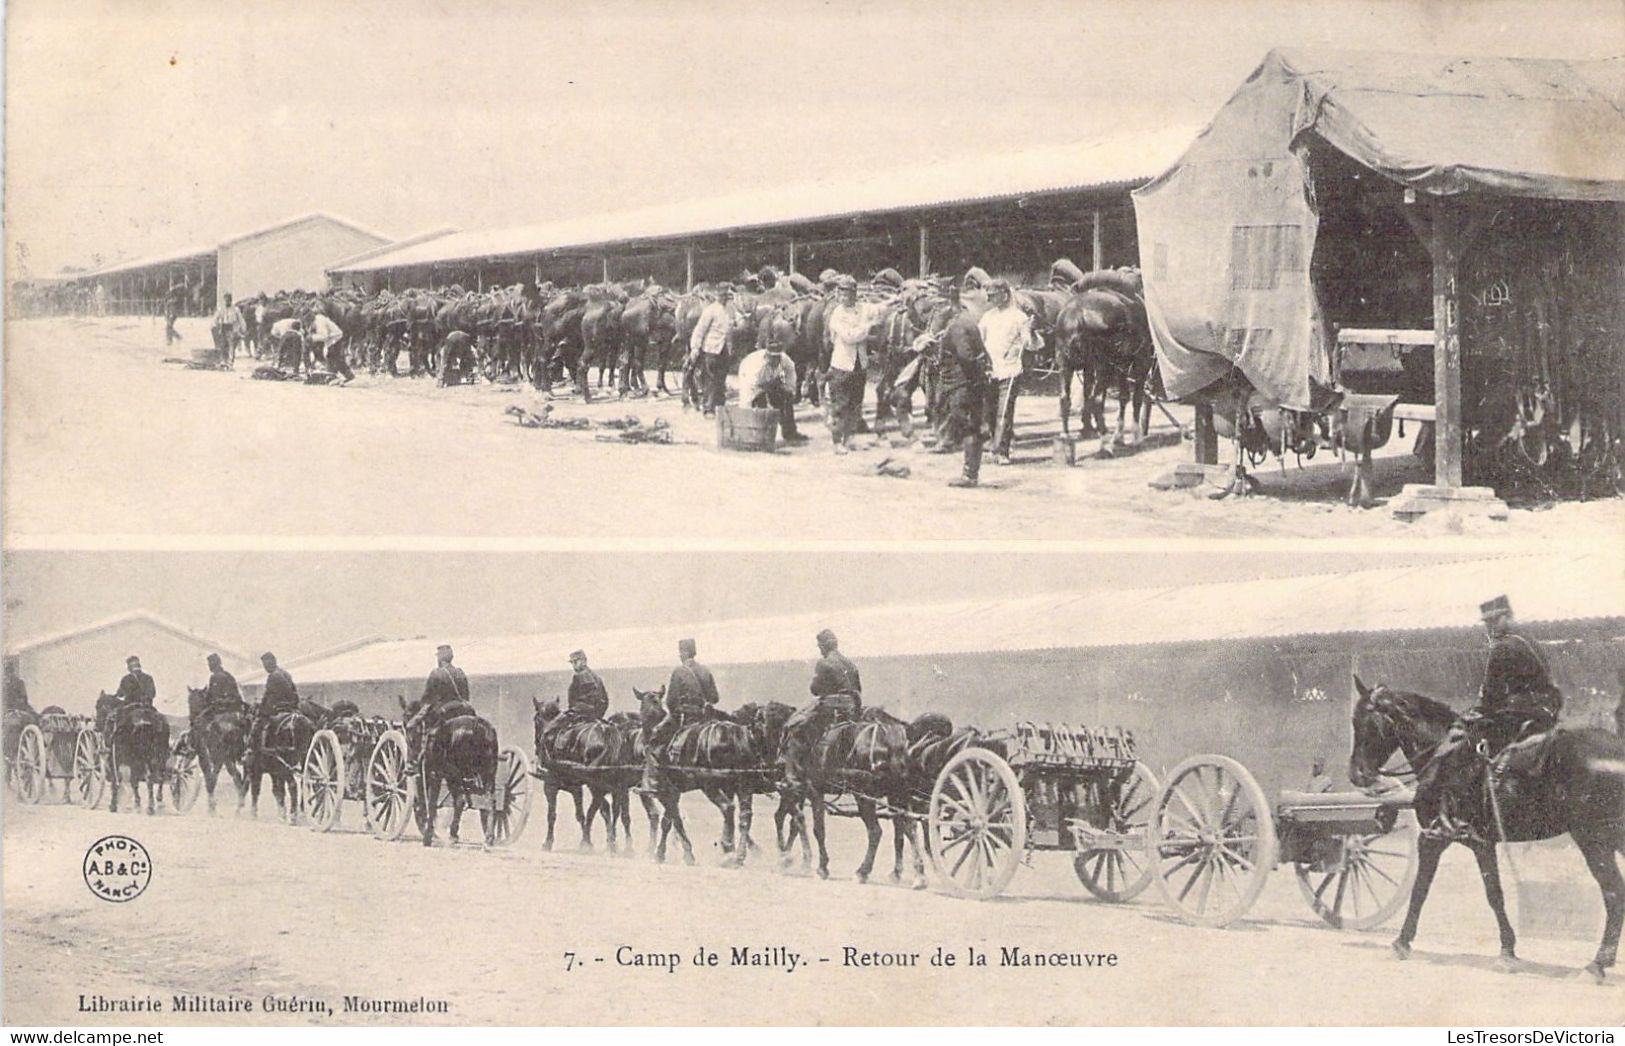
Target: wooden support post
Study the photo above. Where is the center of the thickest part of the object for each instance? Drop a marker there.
(605, 260)
(1097, 253)
(1446, 250)
(1206, 443)
(925, 251)
(792, 257)
(688, 261)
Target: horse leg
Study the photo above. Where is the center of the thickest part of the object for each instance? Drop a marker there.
(594, 804)
(743, 803)
(651, 813)
(1428, 850)
(725, 806)
(818, 833)
(897, 821)
(871, 827)
(211, 773)
(1599, 856)
(1489, 869)
(155, 775)
(431, 804)
(905, 823)
(674, 814)
(551, 792)
(1066, 396)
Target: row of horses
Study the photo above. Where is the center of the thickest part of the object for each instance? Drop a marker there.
(1089, 325)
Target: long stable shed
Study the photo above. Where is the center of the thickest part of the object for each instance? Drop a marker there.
(1012, 213)
(1258, 669)
(1477, 198)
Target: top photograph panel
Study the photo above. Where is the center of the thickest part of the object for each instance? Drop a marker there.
(849, 275)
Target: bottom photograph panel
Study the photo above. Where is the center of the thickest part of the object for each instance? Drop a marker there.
(789, 789)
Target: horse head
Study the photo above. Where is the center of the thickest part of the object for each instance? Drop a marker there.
(928, 725)
(651, 706)
(197, 699)
(1387, 720)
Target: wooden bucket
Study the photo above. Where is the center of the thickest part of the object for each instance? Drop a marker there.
(747, 428)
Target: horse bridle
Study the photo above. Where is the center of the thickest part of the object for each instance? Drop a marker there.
(1382, 708)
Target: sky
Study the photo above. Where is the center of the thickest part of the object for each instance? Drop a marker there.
(299, 602)
(135, 127)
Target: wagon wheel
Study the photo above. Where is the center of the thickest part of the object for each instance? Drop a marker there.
(513, 797)
(321, 781)
(389, 787)
(442, 809)
(1370, 881)
(1119, 874)
(28, 765)
(977, 824)
(89, 780)
(185, 777)
(1212, 843)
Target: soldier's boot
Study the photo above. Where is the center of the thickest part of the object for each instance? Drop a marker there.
(970, 475)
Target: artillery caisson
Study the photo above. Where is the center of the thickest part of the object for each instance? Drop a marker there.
(55, 746)
(1080, 791)
(1215, 838)
(394, 792)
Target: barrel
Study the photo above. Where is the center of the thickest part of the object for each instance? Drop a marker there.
(747, 428)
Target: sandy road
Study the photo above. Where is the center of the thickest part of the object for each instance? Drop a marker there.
(104, 438)
(241, 909)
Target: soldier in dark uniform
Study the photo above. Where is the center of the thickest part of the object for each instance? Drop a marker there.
(962, 375)
(173, 302)
(690, 695)
(446, 686)
(1518, 698)
(15, 691)
(587, 698)
(837, 695)
(279, 696)
(222, 690)
(136, 688)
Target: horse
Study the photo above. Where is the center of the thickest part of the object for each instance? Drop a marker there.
(220, 736)
(718, 756)
(589, 754)
(1102, 334)
(137, 737)
(648, 324)
(866, 758)
(458, 749)
(1577, 788)
(631, 725)
(281, 753)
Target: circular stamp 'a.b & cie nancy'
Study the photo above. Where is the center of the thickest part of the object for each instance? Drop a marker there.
(117, 868)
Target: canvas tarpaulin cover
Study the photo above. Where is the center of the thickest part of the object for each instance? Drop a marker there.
(1228, 233)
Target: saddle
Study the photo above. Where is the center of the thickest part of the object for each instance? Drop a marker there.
(1525, 758)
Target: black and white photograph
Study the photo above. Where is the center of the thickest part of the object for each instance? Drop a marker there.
(1084, 514)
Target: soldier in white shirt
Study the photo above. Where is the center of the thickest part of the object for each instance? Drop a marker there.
(1007, 332)
(326, 338)
(849, 331)
(767, 377)
(708, 347)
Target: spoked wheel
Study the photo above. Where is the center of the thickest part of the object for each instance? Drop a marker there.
(978, 824)
(185, 778)
(513, 797)
(28, 765)
(389, 787)
(442, 809)
(88, 779)
(1370, 881)
(321, 781)
(1212, 842)
(1119, 873)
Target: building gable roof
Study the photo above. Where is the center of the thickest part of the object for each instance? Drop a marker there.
(137, 616)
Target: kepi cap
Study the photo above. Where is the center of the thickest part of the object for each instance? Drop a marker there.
(1498, 605)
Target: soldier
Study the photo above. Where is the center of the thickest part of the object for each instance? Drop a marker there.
(173, 301)
(136, 688)
(228, 331)
(447, 685)
(690, 694)
(708, 347)
(963, 378)
(279, 696)
(837, 695)
(16, 691)
(222, 691)
(767, 377)
(1517, 698)
(1007, 332)
(849, 332)
(587, 698)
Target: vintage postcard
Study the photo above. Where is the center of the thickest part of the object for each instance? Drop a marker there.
(851, 514)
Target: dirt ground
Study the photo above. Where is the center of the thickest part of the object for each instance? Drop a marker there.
(246, 909)
(103, 437)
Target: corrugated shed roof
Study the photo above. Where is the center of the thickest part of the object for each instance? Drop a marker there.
(126, 618)
(1077, 165)
(1542, 588)
(405, 241)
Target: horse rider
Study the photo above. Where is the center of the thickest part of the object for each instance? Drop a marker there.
(15, 692)
(708, 346)
(767, 377)
(326, 339)
(136, 688)
(222, 691)
(849, 332)
(447, 685)
(1517, 699)
(1007, 332)
(228, 330)
(837, 695)
(279, 696)
(691, 694)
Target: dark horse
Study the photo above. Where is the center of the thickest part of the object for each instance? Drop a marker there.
(137, 737)
(590, 754)
(1579, 789)
(868, 759)
(220, 736)
(1102, 334)
(458, 749)
(718, 756)
(281, 754)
